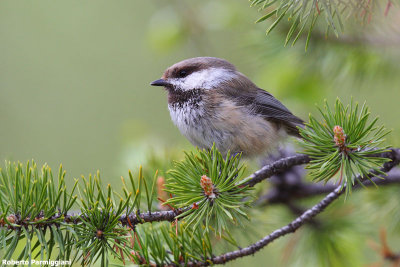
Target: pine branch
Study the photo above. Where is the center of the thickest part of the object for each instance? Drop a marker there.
(302, 219)
(286, 163)
(303, 190)
(343, 144)
(258, 176)
(274, 168)
(302, 15)
(290, 228)
(155, 216)
(101, 227)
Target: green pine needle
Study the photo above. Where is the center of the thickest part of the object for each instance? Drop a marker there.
(344, 144)
(211, 185)
(165, 243)
(302, 14)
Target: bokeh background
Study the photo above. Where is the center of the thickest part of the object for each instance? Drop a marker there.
(74, 89)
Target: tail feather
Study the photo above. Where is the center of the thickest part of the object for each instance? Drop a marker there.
(292, 128)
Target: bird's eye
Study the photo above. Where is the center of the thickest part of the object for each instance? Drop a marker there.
(182, 73)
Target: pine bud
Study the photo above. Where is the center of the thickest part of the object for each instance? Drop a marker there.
(161, 193)
(99, 234)
(207, 186)
(339, 136)
(11, 218)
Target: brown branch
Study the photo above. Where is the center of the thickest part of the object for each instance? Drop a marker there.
(290, 228)
(157, 216)
(306, 190)
(275, 168)
(299, 221)
(259, 176)
(284, 164)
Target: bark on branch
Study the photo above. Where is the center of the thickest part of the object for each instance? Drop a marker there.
(260, 175)
(394, 155)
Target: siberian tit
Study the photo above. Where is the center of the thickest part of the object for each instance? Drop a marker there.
(211, 102)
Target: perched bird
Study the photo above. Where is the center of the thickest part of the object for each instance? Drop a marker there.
(210, 101)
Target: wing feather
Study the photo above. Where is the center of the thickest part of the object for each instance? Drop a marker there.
(262, 103)
(270, 107)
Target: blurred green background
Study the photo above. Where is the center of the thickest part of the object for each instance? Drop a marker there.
(74, 76)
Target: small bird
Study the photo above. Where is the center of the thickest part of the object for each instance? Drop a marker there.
(211, 102)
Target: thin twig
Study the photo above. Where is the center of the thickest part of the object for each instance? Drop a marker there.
(262, 174)
(257, 177)
(155, 216)
(290, 228)
(275, 168)
(306, 190)
(286, 163)
(299, 221)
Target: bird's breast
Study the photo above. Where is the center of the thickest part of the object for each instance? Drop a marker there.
(244, 131)
(229, 126)
(193, 122)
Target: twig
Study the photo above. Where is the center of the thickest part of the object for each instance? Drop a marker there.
(306, 190)
(264, 173)
(155, 216)
(257, 177)
(284, 164)
(275, 168)
(299, 221)
(290, 228)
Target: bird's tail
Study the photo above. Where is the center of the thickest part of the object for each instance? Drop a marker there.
(292, 127)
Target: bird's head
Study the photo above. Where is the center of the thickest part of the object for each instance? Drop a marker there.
(197, 73)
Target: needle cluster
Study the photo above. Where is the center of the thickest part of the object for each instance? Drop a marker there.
(344, 144)
(212, 186)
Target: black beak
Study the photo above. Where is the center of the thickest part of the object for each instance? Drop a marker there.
(160, 82)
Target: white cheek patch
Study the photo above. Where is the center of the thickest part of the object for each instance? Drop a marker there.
(204, 79)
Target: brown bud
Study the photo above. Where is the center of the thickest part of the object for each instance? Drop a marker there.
(99, 234)
(161, 188)
(207, 186)
(11, 218)
(162, 195)
(338, 136)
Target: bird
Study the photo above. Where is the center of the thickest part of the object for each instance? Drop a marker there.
(211, 102)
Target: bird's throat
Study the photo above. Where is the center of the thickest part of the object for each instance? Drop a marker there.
(179, 98)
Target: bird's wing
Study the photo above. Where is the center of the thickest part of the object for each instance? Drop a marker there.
(263, 103)
(267, 105)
